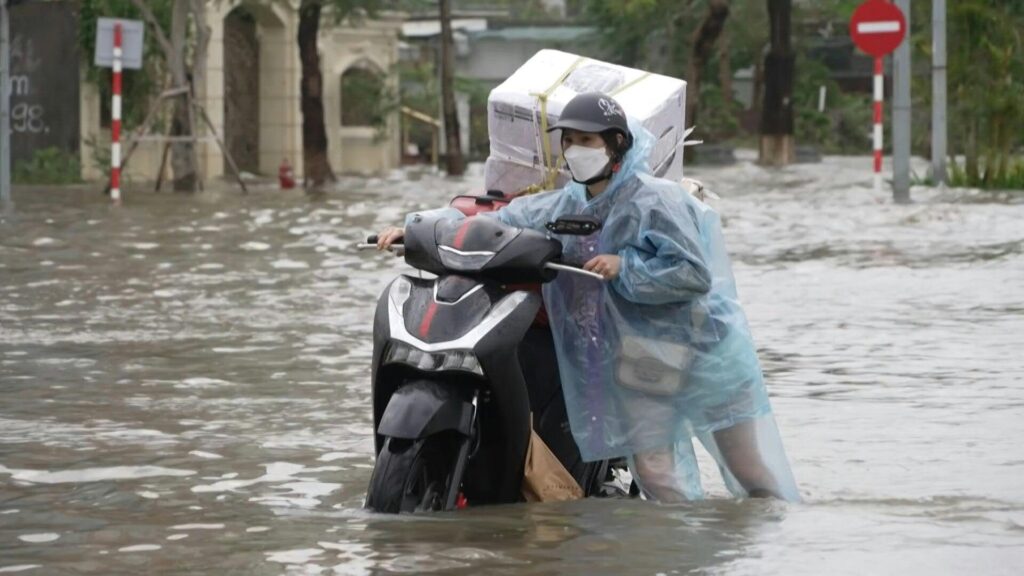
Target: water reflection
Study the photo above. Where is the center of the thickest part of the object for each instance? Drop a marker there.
(185, 389)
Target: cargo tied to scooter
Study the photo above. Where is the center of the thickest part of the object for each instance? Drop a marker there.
(525, 158)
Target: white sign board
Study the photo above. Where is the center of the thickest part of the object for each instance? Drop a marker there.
(132, 36)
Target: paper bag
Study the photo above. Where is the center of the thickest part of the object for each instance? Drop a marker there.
(545, 479)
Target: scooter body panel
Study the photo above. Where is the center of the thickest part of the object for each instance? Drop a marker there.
(446, 350)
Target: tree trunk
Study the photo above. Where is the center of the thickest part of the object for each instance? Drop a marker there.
(758, 91)
(703, 46)
(777, 110)
(453, 157)
(183, 154)
(725, 68)
(317, 167)
(202, 42)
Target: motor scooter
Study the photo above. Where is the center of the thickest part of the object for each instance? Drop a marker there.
(460, 373)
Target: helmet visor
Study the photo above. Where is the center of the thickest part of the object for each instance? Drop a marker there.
(581, 125)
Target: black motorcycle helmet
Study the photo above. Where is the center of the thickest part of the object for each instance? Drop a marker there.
(600, 113)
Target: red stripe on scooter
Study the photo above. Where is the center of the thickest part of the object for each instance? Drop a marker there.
(460, 236)
(427, 319)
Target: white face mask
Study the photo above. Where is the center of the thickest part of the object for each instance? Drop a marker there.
(585, 163)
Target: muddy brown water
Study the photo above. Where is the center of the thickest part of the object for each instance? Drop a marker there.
(184, 389)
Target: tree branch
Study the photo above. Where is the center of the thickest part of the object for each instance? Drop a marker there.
(161, 38)
(202, 41)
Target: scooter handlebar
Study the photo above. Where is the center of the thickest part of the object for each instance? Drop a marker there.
(573, 270)
(371, 243)
(373, 240)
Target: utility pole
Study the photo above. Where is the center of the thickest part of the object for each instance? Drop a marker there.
(901, 115)
(453, 151)
(5, 104)
(939, 173)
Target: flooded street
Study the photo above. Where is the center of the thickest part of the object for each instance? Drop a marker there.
(184, 389)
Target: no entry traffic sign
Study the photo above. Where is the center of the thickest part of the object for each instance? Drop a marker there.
(877, 27)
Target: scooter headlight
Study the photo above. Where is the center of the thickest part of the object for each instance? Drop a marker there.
(402, 353)
(463, 261)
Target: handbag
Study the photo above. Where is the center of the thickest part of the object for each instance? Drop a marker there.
(654, 366)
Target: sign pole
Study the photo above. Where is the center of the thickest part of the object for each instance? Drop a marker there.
(901, 115)
(939, 91)
(877, 130)
(878, 27)
(5, 104)
(115, 120)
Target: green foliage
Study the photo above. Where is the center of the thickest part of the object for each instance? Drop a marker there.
(363, 98)
(48, 166)
(719, 116)
(986, 87)
(648, 34)
(421, 91)
(810, 124)
(845, 124)
(747, 33)
(834, 10)
(1010, 177)
(354, 10)
(985, 70)
(99, 155)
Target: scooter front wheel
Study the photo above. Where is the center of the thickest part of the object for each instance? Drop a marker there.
(412, 475)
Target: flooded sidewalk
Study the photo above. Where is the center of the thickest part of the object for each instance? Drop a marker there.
(184, 388)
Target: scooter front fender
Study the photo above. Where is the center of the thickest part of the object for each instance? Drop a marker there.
(425, 407)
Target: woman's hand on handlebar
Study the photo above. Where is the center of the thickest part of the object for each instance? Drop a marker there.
(607, 265)
(389, 236)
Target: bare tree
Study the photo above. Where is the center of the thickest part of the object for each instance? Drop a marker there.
(175, 49)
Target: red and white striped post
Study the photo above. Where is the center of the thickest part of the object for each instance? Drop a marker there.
(877, 134)
(877, 27)
(115, 120)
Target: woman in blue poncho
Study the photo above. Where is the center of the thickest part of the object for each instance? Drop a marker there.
(660, 352)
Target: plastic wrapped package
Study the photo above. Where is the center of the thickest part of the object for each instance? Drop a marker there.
(512, 176)
(523, 156)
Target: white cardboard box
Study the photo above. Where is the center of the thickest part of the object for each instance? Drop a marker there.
(517, 159)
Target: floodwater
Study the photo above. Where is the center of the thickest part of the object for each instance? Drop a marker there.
(184, 390)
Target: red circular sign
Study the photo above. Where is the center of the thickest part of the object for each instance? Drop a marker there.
(877, 27)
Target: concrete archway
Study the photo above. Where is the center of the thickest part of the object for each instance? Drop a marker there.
(249, 91)
(357, 144)
(278, 75)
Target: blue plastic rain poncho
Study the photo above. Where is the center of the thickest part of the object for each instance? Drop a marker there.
(662, 353)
